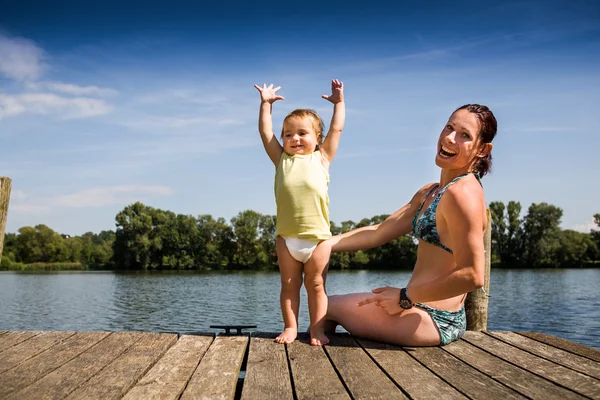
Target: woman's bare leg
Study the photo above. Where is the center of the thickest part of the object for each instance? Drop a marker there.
(412, 327)
(315, 271)
(289, 297)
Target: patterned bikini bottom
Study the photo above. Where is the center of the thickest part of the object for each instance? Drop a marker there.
(450, 324)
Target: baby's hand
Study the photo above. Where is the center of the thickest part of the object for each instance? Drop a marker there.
(268, 94)
(337, 92)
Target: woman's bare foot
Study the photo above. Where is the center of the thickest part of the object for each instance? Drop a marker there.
(287, 336)
(318, 338)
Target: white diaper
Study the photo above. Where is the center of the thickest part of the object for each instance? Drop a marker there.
(300, 249)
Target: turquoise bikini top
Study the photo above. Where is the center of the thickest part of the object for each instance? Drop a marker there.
(424, 227)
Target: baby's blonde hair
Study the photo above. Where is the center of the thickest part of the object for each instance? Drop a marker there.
(318, 124)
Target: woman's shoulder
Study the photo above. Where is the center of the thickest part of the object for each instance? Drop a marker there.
(422, 192)
(465, 194)
(467, 186)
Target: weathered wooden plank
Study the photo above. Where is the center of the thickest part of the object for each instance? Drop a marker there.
(563, 376)
(121, 374)
(62, 381)
(3, 332)
(514, 377)
(169, 376)
(312, 372)
(416, 380)
(267, 372)
(558, 356)
(217, 375)
(11, 339)
(576, 348)
(30, 348)
(363, 378)
(37, 367)
(463, 377)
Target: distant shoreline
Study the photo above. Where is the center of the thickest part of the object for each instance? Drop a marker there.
(77, 266)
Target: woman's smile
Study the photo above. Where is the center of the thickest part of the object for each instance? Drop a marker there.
(446, 152)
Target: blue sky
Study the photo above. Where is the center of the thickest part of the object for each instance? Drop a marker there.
(105, 105)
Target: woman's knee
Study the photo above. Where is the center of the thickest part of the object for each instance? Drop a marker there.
(341, 306)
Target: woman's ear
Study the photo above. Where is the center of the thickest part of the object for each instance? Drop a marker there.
(485, 150)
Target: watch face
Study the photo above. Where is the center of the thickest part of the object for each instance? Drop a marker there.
(405, 304)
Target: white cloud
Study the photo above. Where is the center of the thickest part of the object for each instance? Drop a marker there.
(98, 197)
(20, 59)
(30, 209)
(73, 89)
(18, 194)
(47, 103)
(94, 197)
(378, 153)
(586, 227)
(547, 129)
(149, 122)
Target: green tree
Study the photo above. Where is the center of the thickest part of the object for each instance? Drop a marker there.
(249, 252)
(499, 231)
(9, 255)
(179, 235)
(137, 241)
(40, 244)
(541, 231)
(507, 233)
(575, 249)
(215, 244)
(595, 235)
(339, 260)
(267, 239)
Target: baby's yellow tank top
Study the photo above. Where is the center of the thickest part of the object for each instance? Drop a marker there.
(301, 184)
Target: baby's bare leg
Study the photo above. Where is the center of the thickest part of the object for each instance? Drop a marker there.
(315, 272)
(289, 297)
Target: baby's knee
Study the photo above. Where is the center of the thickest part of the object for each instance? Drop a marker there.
(290, 284)
(314, 281)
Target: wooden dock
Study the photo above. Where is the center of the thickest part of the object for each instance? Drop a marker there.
(134, 365)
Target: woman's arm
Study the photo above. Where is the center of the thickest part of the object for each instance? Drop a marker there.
(367, 237)
(463, 210)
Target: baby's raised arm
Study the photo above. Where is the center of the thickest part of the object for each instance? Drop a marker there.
(268, 95)
(336, 126)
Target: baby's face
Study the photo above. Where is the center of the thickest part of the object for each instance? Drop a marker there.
(299, 136)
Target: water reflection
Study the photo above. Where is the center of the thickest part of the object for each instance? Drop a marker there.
(563, 303)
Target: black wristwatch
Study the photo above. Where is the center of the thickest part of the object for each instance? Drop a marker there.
(404, 300)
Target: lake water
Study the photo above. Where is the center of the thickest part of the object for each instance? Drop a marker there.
(560, 302)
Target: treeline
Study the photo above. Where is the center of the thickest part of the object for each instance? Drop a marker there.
(537, 240)
(148, 238)
(42, 248)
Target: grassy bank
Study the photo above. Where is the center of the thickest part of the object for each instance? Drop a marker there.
(41, 266)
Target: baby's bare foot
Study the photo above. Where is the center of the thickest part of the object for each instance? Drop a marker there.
(287, 336)
(318, 338)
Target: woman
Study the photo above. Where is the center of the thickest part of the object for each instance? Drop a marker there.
(449, 219)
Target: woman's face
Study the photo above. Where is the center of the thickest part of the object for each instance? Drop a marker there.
(460, 143)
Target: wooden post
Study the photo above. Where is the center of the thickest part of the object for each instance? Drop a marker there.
(476, 304)
(5, 186)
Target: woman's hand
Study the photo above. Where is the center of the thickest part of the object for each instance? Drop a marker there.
(268, 94)
(386, 298)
